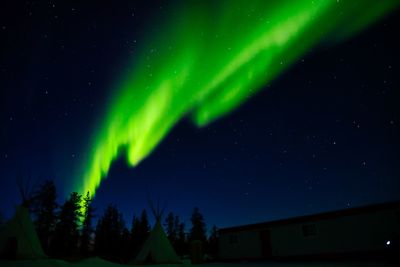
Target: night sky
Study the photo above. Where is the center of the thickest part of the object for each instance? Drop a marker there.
(322, 136)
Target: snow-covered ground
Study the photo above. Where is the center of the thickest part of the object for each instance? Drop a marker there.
(97, 262)
(59, 263)
(302, 264)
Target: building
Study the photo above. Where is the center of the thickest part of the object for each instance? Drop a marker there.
(373, 229)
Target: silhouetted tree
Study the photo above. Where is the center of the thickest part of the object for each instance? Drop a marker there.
(198, 230)
(181, 246)
(134, 236)
(65, 242)
(140, 230)
(171, 229)
(175, 231)
(99, 238)
(213, 242)
(44, 209)
(87, 228)
(125, 245)
(1, 219)
(197, 237)
(144, 228)
(109, 231)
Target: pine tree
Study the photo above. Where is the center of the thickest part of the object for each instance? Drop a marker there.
(67, 228)
(170, 225)
(87, 228)
(144, 228)
(134, 236)
(1, 219)
(198, 230)
(213, 242)
(44, 206)
(109, 231)
(99, 238)
(181, 242)
(125, 245)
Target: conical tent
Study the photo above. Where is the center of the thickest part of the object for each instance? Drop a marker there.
(157, 248)
(18, 238)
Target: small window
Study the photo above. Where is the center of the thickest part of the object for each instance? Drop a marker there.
(233, 239)
(309, 230)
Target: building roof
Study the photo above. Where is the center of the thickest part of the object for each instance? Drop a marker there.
(314, 217)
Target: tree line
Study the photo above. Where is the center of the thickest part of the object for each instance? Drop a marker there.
(68, 231)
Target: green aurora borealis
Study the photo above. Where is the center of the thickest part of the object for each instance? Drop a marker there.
(206, 60)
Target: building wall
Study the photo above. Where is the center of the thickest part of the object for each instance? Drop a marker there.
(242, 245)
(363, 232)
(352, 233)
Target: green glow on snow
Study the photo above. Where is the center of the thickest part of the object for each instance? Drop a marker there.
(210, 57)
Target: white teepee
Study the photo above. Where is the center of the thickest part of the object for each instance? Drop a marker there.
(18, 238)
(157, 248)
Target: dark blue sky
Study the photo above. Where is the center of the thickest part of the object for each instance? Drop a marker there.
(323, 136)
